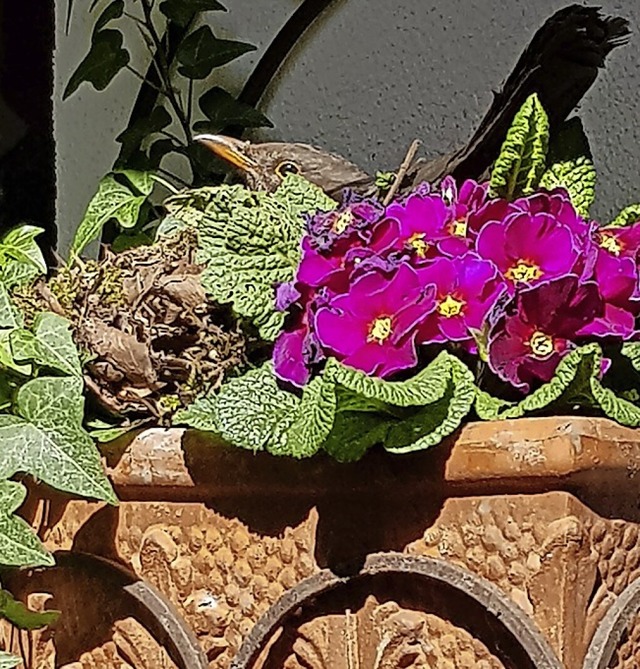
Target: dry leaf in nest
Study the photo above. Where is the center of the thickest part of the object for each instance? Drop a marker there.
(153, 339)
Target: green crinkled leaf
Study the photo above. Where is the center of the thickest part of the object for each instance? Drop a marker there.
(578, 177)
(8, 661)
(103, 62)
(249, 242)
(522, 158)
(45, 438)
(576, 382)
(313, 420)
(50, 344)
(113, 200)
(631, 350)
(436, 401)
(253, 412)
(628, 216)
(201, 51)
(19, 545)
(199, 415)
(19, 615)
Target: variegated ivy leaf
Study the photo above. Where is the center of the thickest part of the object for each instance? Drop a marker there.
(522, 159)
(628, 216)
(45, 438)
(21, 259)
(49, 345)
(19, 545)
(10, 317)
(8, 661)
(249, 242)
(578, 177)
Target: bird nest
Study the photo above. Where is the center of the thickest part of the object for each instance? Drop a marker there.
(152, 340)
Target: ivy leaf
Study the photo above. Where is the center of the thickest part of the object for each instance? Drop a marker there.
(19, 615)
(249, 242)
(522, 159)
(113, 200)
(133, 137)
(182, 12)
(19, 244)
(201, 51)
(103, 62)
(19, 545)
(222, 109)
(628, 216)
(10, 317)
(113, 11)
(45, 438)
(7, 362)
(8, 661)
(49, 345)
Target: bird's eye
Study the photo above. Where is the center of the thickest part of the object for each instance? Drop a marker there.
(287, 167)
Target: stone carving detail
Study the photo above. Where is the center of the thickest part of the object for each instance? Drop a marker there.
(627, 655)
(383, 636)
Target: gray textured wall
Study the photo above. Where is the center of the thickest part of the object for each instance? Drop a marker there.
(371, 76)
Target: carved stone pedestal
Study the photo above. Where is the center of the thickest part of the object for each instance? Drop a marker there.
(514, 546)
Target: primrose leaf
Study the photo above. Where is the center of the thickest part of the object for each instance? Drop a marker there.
(522, 159)
(628, 216)
(578, 178)
(249, 242)
(45, 438)
(19, 545)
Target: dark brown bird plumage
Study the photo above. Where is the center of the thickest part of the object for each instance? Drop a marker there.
(560, 65)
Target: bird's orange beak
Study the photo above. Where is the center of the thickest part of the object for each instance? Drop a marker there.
(232, 150)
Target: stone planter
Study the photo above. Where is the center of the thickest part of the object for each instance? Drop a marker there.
(514, 545)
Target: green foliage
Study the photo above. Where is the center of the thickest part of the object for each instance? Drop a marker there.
(249, 242)
(342, 411)
(8, 661)
(19, 546)
(120, 197)
(21, 617)
(21, 259)
(522, 160)
(571, 167)
(576, 383)
(628, 216)
(182, 53)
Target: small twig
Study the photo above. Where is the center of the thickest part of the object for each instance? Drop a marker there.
(169, 186)
(146, 81)
(134, 18)
(190, 101)
(402, 172)
(180, 180)
(170, 135)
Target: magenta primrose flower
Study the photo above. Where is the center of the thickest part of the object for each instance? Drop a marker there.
(373, 327)
(529, 248)
(467, 288)
(539, 326)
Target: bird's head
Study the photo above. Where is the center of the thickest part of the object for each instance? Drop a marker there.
(264, 166)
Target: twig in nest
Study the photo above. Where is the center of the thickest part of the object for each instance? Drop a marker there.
(402, 172)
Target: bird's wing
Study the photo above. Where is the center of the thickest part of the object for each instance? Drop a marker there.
(560, 65)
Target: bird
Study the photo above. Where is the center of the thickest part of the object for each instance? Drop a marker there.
(560, 64)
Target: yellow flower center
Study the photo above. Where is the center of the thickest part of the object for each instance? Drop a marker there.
(523, 272)
(342, 222)
(459, 228)
(419, 245)
(541, 344)
(609, 242)
(450, 307)
(380, 330)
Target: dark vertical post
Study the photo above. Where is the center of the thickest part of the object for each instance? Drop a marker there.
(27, 148)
